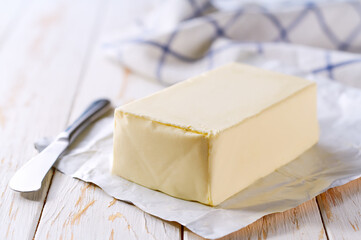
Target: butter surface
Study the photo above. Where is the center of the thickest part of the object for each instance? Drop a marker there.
(211, 136)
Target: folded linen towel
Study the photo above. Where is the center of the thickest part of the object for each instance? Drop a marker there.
(180, 39)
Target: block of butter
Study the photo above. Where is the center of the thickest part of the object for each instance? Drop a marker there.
(207, 138)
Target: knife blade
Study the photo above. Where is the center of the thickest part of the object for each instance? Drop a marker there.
(30, 176)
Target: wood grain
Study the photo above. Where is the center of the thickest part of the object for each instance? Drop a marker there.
(341, 211)
(302, 222)
(10, 14)
(52, 65)
(37, 80)
(78, 210)
(75, 209)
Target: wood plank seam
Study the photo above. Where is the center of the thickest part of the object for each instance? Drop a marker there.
(102, 78)
(46, 196)
(99, 19)
(340, 209)
(97, 23)
(182, 232)
(322, 220)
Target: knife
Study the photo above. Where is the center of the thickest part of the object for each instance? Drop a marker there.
(30, 176)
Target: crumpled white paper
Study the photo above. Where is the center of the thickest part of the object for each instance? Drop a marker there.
(334, 161)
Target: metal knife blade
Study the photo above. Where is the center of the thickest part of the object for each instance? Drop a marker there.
(30, 176)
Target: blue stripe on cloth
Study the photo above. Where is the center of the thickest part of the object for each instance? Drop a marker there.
(234, 18)
(336, 65)
(328, 64)
(297, 20)
(322, 22)
(165, 49)
(276, 22)
(355, 32)
(198, 11)
(219, 32)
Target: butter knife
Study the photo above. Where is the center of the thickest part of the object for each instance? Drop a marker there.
(30, 176)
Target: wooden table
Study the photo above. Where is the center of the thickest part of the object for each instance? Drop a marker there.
(51, 67)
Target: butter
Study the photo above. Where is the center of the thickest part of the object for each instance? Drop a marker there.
(207, 138)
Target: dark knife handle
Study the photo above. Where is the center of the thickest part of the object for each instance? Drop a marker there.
(91, 113)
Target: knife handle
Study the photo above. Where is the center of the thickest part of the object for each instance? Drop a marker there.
(93, 112)
(30, 176)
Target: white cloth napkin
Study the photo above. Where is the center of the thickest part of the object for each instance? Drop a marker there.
(183, 38)
(317, 40)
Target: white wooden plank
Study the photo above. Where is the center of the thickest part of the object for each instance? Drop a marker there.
(10, 13)
(302, 222)
(75, 210)
(341, 211)
(40, 65)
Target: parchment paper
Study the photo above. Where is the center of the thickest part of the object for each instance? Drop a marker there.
(334, 161)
